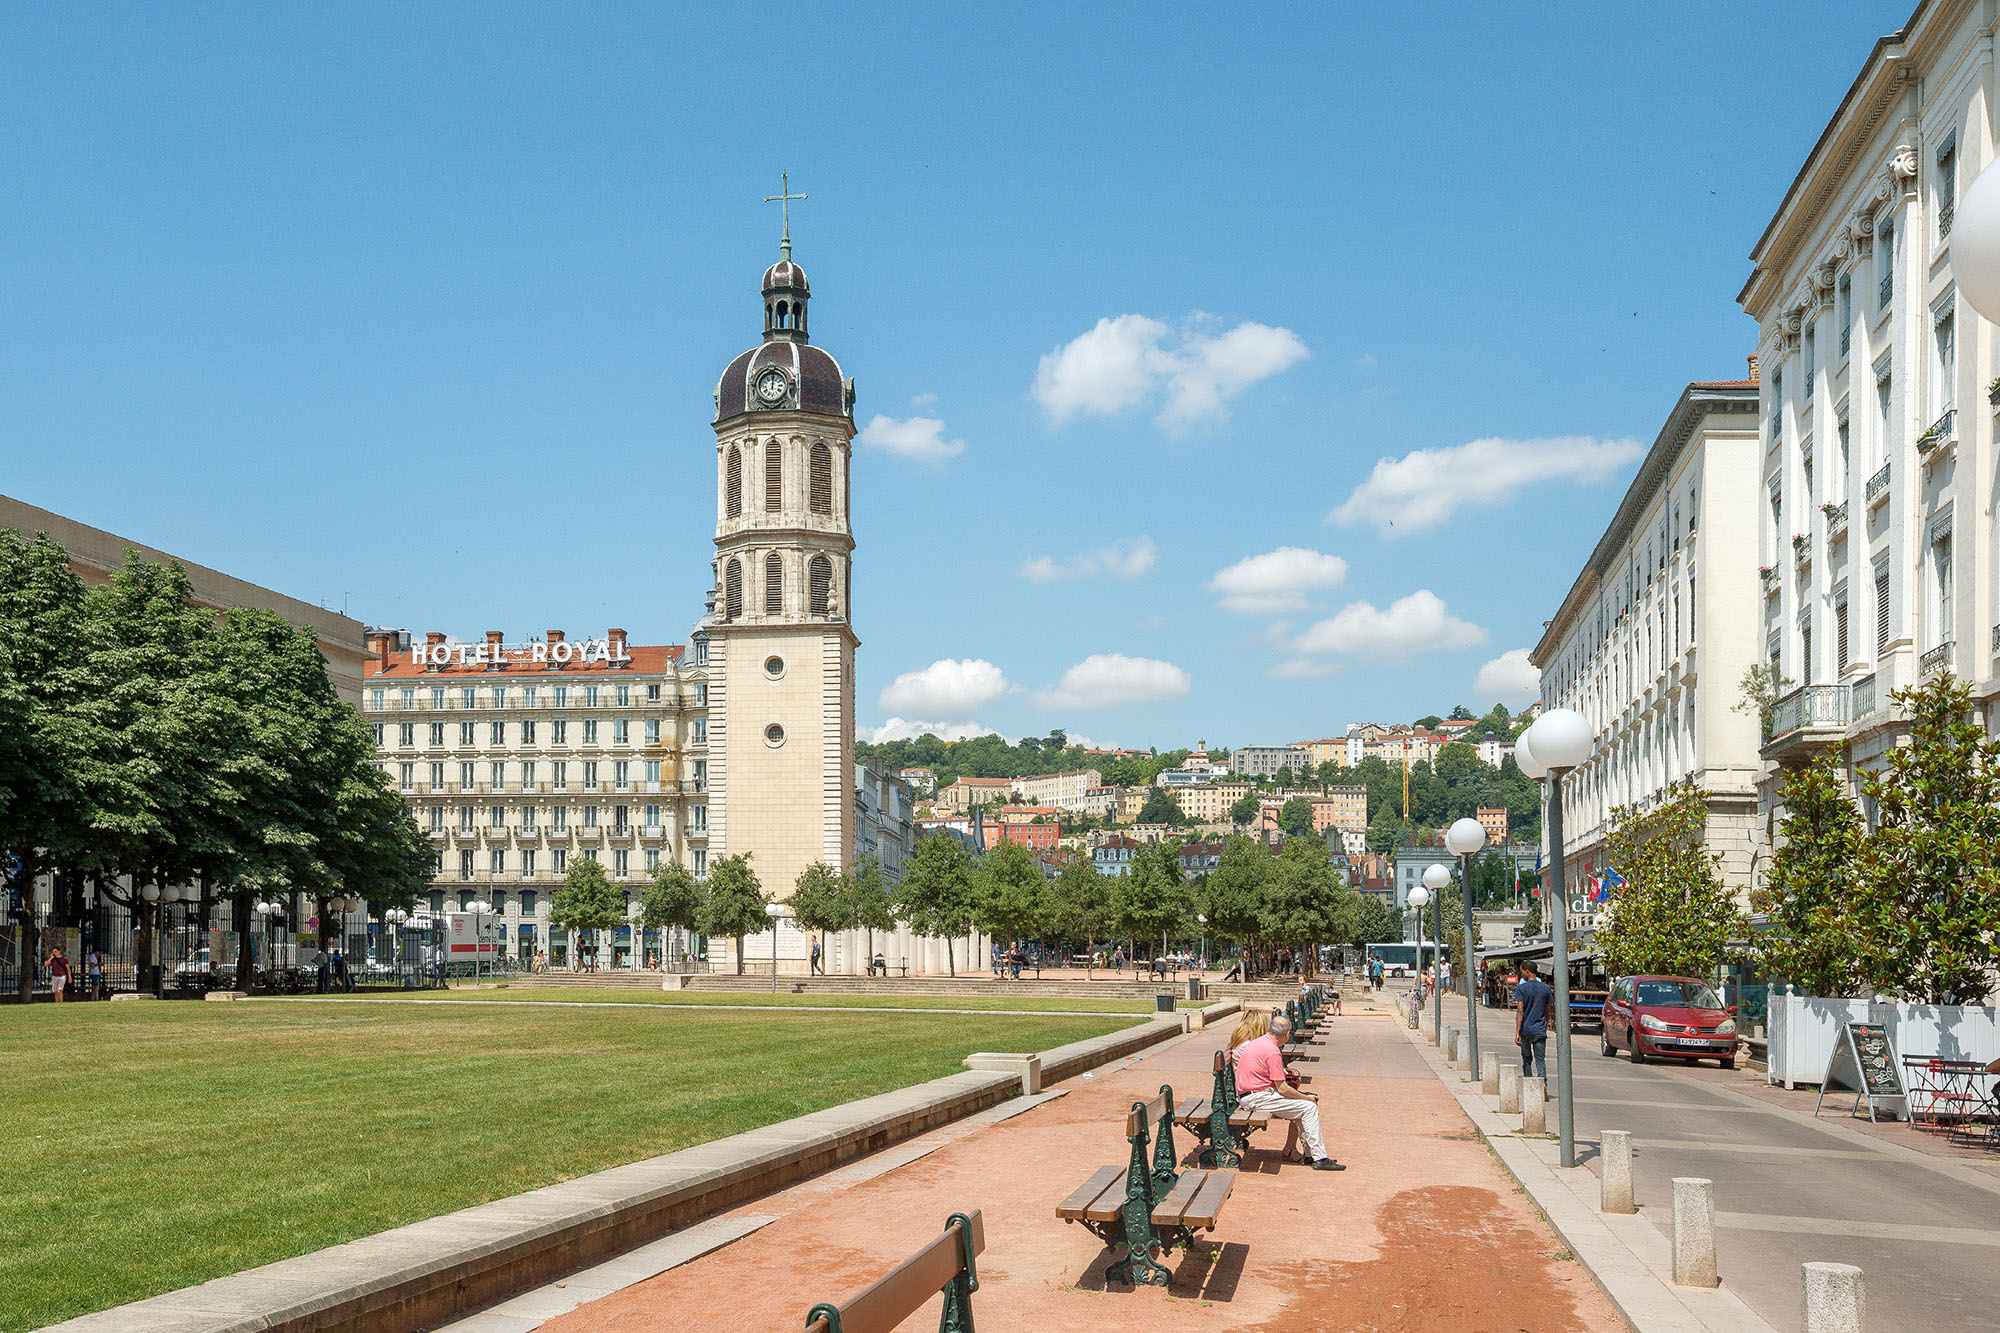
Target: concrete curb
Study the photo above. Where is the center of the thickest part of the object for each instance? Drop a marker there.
(427, 1273)
(1627, 1255)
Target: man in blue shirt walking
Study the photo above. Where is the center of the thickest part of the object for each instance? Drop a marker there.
(1532, 998)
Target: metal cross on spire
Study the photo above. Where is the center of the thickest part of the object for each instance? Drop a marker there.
(784, 199)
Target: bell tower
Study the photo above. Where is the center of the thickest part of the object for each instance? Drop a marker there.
(780, 636)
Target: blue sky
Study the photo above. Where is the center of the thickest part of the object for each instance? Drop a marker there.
(417, 311)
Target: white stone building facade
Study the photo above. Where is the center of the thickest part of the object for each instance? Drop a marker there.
(1651, 643)
(1876, 524)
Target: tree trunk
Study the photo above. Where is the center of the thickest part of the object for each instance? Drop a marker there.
(30, 937)
(246, 958)
(869, 961)
(950, 963)
(739, 957)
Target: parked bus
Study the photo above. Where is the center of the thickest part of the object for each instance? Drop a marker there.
(1400, 958)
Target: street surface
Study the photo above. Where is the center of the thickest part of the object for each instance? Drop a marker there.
(1925, 1228)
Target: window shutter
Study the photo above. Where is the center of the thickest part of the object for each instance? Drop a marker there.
(732, 591)
(822, 479)
(1881, 610)
(774, 585)
(1840, 635)
(774, 476)
(733, 490)
(822, 581)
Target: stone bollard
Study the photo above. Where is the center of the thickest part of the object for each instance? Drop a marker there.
(1510, 1089)
(1614, 1180)
(1835, 1301)
(1489, 1078)
(1534, 1106)
(1694, 1232)
(1451, 1045)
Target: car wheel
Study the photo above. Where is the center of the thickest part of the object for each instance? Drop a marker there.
(1638, 1056)
(1728, 1062)
(1609, 1049)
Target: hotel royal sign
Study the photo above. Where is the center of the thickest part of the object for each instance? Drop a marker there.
(560, 653)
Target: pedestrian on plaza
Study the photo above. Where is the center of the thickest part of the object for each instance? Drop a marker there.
(1532, 998)
(322, 969)
(1264, 1084)
(93, 970)
(343, 980)
(58, 967)
(816, 969)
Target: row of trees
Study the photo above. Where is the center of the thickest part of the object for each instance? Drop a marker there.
(1907, 904)
(146, 741)
(1291, 899)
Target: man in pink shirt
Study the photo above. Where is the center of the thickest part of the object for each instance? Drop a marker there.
(1262, 1085)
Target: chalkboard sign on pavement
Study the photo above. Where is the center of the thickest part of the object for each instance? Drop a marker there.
(1864, 1061)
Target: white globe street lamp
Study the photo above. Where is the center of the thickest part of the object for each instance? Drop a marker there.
(1975, 245)
(1463, 839)
(1419, 899)
(1436, 880)
(1560, 740)
(777, 912)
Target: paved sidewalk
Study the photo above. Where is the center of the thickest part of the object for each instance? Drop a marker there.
(1424, 1230)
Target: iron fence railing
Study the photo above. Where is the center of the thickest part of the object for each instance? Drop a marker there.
(1810, 707)
(1937, 658)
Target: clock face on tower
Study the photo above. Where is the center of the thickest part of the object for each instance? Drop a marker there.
(772, 386)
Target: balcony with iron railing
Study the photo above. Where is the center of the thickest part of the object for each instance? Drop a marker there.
(1836, 520)
(1996, 640)
(1809, 717)
(1861, 698)
(1940, 435)
(1937, 659)
(1877, 489)
(1885, 289)
(1945, 216)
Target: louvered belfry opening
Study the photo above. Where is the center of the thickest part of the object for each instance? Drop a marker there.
(733, 487)
(732, 590)
(821, 500)
(822, 583)
(774, 476)
(774, 584)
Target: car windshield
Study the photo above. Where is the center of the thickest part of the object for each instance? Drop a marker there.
(1678, 994)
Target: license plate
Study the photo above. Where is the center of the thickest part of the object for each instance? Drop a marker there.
(1693, 1041)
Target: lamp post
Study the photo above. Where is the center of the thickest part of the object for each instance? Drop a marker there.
(1462, 839)
(1419, 899)
(1436, 877)
(392, 926)
(1559, 741)
(777, 912)
(633, 911)
(1202, 920)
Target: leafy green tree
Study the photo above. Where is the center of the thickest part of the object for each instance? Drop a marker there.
(1305, 903)
(1295, 817)
(820, 900)
(1153, 900)
(44, 744)
(1079, 902)
(1460, 713)
(1815, 941)
(1672, 914)
(671, 900)
(1007, 892)
(587, 902)
(1760, 688)
(1429, 721)
(1243, 810)
(870, 906)
(1373, 921)
(937, 895)
(1161, 808)
(1387, 831)
(733, 903)
(1929, 900)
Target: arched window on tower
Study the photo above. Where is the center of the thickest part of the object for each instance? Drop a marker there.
(774, 585)
(822, 583)
(774, 476)
(732, 590)
(732, 488)
(822, 479)
(782, 312)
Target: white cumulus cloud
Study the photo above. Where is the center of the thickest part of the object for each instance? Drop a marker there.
(1303, 668)
(1419, 623)
(948, 687)
(1120, 560)
(908, 729)
(1510, 678)
(1277, 581)
(1417, 492)
(914, 439)
(1104, 680)
(1126, 360)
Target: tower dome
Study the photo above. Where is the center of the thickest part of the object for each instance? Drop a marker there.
(785, 373)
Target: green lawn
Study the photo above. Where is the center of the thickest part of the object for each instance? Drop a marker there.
(155, 1145)
(1107, 1004)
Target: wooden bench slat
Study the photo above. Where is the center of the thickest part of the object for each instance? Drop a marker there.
(1076, 1205)
(1110, 1205)
(1193, 1111)
(1207, 1204)
(902, 1291)
(1167, 1212)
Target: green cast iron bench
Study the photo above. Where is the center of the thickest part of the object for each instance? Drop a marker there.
(1150, 1208)
(1219, 1124)
(945, 1265)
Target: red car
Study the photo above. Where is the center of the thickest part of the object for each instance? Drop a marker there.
(1673, 1017)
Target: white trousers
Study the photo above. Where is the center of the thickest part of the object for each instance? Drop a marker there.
(1279, 1107)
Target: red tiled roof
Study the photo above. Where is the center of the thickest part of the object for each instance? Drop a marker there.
(1723, 384)
(647, 659)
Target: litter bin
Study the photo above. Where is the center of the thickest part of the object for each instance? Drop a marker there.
(1194, 988)
(1164, 1002)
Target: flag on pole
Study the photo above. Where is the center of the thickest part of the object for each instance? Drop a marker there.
(1603, 884)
